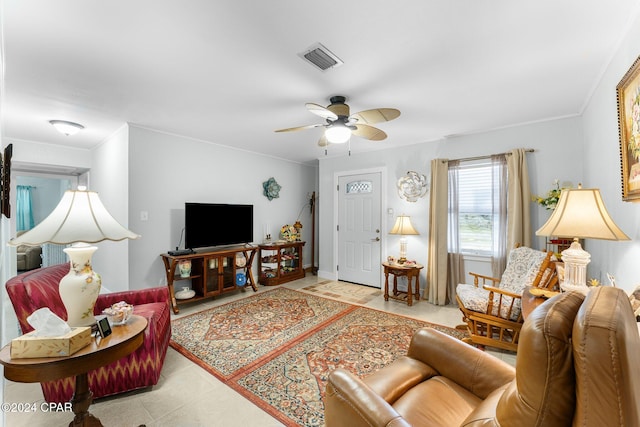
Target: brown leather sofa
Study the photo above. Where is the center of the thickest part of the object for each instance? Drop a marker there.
(577, 365)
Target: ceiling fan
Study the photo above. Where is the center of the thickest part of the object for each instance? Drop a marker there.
(340, 124)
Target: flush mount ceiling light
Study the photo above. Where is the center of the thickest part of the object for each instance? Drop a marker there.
(65, 127)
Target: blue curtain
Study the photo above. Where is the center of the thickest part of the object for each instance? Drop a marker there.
(24, 211)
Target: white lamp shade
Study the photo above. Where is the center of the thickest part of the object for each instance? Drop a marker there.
(581, 213)
(403, 226)
(79, 217)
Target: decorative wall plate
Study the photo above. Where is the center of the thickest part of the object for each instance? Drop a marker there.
(241, 279)
(413, 186)
(289, 233)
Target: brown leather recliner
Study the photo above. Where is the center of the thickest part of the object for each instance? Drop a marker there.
(576, 365)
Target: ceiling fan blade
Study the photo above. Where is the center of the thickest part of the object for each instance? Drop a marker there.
(369, 132)
(376, 115)
(321, 111)
(322, 142)
(300, 128)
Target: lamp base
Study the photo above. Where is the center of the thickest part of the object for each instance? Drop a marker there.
(403, 250)
(575, 261)
(80, 288)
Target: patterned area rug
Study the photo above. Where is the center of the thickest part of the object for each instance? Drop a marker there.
(358, 294)
(276, 348)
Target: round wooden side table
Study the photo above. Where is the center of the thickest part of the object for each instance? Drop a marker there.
(124, 340)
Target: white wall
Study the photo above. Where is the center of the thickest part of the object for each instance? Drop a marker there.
(110, 179)
(555, 143)
(601, 158)
(48, 154)
(165, 171)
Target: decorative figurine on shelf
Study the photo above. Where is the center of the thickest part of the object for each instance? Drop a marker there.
(241, 260)
(184, 266)
(298, 227)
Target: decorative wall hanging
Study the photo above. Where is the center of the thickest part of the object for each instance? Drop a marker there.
(412, 186)
(271, 189)
(628, 91)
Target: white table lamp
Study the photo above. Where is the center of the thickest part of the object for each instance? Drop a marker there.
(403, 227)
(79, 219)
(580, 214)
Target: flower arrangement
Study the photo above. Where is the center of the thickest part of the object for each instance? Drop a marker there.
(551, 200)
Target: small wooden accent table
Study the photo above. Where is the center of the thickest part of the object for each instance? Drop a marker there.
(410, 271)
(124, 340)
(530, 301)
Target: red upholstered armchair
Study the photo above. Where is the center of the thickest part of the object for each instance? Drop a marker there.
(39, 288)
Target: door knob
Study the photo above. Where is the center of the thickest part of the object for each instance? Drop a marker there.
(377, 239)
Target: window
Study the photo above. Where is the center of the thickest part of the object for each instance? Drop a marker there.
(479, 193)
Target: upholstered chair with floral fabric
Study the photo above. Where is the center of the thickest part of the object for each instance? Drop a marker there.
(39, 288)
(492, 311)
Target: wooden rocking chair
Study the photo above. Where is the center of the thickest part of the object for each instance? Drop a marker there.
(491, 307)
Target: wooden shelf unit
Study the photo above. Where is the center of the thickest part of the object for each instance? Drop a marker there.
(558, 244)
(280, 263)
(212, 272)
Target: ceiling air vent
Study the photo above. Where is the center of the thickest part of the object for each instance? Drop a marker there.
(321, 57)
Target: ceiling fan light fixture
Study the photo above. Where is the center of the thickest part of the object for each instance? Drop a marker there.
(65, 127)
(337, 133)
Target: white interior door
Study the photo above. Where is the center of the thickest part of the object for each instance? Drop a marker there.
(359, 228)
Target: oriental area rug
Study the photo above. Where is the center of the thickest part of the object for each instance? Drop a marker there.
(348, 292)
(276, 348)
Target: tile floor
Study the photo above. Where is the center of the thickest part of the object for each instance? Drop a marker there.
(186, 395)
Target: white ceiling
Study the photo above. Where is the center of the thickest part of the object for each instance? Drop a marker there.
(228, 71)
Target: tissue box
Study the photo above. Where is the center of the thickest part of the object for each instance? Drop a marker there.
(29, 346)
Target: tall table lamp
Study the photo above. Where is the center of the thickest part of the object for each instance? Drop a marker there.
(79, 219)
(580, 214)
(404, 228)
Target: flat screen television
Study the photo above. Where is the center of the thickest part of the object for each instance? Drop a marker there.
(214, 224)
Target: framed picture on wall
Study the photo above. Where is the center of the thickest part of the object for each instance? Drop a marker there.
(628, 91)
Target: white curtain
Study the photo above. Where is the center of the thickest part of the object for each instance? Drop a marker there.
(455, 259)
(436, 291)
(499, 212)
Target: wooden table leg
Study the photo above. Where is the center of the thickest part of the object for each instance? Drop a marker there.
(386, 285)
(418, 286)
(249, 270)
(409, 290)
(82, 398)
